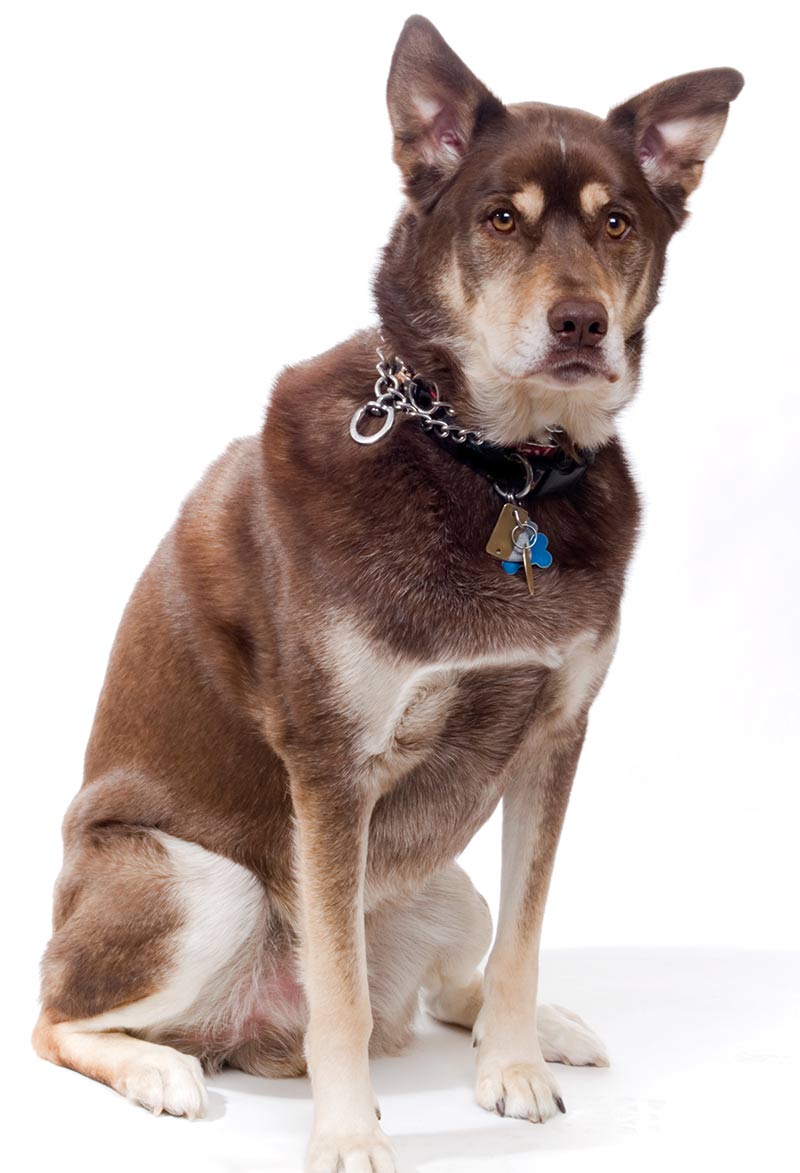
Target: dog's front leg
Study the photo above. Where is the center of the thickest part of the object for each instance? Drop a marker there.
(512, 1077)
(332, 826)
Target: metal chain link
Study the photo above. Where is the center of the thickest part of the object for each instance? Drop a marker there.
(397, 391)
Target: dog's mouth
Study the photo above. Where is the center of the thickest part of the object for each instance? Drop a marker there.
(573, 366)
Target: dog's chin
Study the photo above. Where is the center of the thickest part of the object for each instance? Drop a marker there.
(583, 399)
(569, 377)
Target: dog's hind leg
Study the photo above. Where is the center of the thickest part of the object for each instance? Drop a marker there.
(453, 984)
(146, 924)
(436, 941)
(432, 941)
(159, 1078)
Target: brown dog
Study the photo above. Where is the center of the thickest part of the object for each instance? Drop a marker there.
(324, 681)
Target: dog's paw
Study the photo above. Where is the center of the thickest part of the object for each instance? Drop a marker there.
(170, 1082)
(357, 1152)
(524, 1090)
(565, 1038)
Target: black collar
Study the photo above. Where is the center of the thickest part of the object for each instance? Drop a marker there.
(526, 471)
(548, 469)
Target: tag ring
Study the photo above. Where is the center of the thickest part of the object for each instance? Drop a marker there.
(528, 528)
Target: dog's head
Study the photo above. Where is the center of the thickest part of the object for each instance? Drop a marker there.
(532, 244)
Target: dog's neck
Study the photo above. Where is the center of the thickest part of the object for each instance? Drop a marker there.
(435, 362)
(550, 467)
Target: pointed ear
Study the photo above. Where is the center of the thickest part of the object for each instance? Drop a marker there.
(436, 106)
(673, 128)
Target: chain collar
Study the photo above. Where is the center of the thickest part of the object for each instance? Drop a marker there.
(398, 389)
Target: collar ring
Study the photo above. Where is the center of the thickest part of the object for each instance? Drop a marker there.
(517, 494)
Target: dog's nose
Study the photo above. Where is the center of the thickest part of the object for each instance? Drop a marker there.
(578, 322)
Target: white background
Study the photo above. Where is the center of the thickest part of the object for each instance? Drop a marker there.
(194, 195)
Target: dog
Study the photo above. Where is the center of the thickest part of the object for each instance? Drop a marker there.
(372, 622)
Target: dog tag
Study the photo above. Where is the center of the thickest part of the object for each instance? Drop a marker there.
(528, 564)
(518, 543)
(501, 543)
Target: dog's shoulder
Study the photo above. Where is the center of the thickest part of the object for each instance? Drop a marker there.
(309, 409)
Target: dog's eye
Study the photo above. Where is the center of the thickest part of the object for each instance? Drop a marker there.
(502, 220)
(617, 225)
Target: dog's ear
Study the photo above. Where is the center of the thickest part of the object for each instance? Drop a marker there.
(436, 105)
(673, 127)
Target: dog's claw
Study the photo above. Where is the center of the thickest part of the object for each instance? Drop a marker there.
(560, 1104)
(500, 1106)
(474, 1042)
(378, 1111)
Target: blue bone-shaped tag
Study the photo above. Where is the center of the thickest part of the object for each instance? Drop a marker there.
(540, 556)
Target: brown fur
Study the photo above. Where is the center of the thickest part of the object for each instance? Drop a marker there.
(225, 718)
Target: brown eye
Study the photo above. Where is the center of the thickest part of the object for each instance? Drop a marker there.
(617, 225)
(502, 220)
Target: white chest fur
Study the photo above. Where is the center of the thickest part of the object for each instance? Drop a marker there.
(399, 704)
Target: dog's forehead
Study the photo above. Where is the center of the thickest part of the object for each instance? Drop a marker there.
(560, 149)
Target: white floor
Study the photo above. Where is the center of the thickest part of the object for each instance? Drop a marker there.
(704, 1076)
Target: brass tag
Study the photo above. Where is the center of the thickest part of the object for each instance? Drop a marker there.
(500, 544)
(528, 564)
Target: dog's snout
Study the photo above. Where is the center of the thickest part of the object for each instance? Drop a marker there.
(578, 322)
